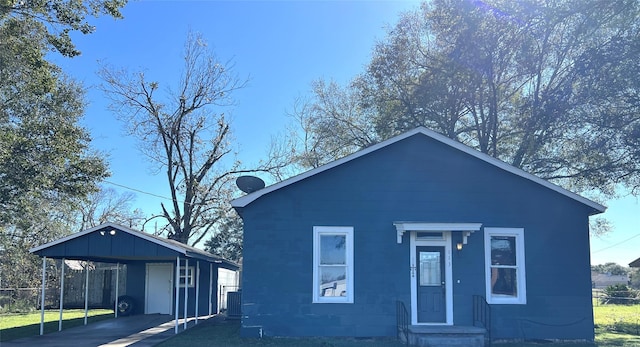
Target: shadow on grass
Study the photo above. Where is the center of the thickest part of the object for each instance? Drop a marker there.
(617, 340)
(49, 327)
(625, 327)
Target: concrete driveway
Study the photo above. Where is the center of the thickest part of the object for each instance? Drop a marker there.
(138, 331)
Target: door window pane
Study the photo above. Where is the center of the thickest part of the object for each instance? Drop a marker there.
(430, 269)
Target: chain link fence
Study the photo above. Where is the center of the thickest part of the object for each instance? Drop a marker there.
(102, 283)
(616, 295)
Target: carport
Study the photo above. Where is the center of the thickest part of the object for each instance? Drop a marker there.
(163, 276)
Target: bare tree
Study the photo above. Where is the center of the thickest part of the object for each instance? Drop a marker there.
(186, 133)
(107, 205)
(329, 125)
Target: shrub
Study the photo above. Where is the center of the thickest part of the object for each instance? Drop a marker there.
(620, 294)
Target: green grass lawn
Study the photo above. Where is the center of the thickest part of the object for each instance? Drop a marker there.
(616, 326)
(227, 334)
(18, 325)
(617, 318)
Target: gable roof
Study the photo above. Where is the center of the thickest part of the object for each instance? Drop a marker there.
(635, 263)
(249, 198)
(171, 245)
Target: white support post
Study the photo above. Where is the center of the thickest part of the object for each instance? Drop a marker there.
(61, 294)
(210, 287)
(197, 279)
(177, 300)
(115, 306)
(221, 291)
(186, 290)
(44, 279)
(86, 292)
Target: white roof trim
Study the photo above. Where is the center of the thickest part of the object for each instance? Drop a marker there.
(402, 227)
(115, 226)
(249, 198)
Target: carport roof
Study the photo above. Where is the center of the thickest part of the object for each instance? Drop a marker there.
(110, 242)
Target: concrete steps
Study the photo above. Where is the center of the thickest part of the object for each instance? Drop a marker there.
(446, 336)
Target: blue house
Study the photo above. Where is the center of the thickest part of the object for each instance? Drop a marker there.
(419, 224)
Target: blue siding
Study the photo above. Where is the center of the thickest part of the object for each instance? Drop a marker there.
(203, 300)
(136, 277)
(416, 179)
(99, 247)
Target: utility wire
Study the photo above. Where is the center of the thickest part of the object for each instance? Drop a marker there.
(617, 244)
(144, 192)
(139, 191)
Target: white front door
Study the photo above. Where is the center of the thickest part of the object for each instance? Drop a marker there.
(158, 288)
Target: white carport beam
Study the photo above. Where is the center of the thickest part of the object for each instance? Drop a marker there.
(61, 295)
(210, 287)
(197, 279)
(177, 300)
(86, 292)
(115, 308)
(186, 290)
(44, 277)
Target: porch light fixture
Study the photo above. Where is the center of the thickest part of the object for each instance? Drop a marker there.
(459, 246)
(111, 232)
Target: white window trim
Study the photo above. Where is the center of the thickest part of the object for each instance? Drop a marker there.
(325, 230)
(518, 233)
(190, 276)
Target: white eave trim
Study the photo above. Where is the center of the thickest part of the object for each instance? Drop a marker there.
(247, 199)
(402, 227)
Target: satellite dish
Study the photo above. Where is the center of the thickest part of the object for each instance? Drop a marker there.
(249, 184)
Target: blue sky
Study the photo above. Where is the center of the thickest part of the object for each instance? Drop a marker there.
(281, 46)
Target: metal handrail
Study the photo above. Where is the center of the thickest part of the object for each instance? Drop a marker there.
(402, 321)
(482, 314)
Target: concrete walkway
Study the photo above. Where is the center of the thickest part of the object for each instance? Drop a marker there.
(137, 331)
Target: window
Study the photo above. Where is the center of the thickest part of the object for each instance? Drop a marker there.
(188, 278)
(429, 235)
(332, 264)
(505, 266)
